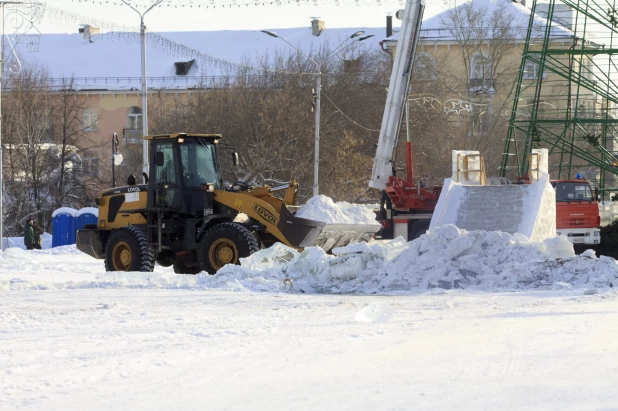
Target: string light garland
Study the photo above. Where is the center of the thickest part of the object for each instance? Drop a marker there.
(213, 4)
(128, 34)
(131, 35)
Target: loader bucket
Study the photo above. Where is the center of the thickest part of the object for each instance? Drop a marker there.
(339, 235)
(302, 232)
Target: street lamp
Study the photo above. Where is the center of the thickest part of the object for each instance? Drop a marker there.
(142, 31)
(116, 157)
(354, 35)
(316, 97)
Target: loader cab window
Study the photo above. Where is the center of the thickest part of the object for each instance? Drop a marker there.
(166, 174)
(572, 191)
(199, 166)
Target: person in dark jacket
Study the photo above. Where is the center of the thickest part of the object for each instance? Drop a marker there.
(38, 231)
(32, 235)
(29, 235)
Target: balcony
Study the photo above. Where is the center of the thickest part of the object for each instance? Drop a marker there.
(132, 135)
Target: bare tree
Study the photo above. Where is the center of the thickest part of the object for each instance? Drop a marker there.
(44, 144)
(267, 114)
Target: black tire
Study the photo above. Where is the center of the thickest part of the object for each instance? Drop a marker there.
(418, 229)
(225, 243)
(164, 262)
(181, 268)
(164, 259)
(127, 250)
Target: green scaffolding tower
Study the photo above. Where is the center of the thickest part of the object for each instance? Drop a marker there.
(566, 97)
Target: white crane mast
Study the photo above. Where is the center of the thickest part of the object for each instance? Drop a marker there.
(411, 17)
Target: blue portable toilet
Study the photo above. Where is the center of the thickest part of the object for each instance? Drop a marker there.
(86, 215)
(63, 226)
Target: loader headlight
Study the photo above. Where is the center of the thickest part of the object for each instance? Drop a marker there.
(211, 188)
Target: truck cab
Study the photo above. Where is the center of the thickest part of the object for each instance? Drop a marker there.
(577, 212)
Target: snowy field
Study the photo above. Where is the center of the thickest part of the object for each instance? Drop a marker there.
(451, 321)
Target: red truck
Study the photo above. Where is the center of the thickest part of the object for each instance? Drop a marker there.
(577, 212)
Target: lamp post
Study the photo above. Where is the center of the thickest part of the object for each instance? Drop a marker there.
(2, 22)
(316, 97)
(116, 157)
(142, 31)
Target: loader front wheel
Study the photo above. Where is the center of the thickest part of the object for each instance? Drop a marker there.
(225, 243)
(127, 250)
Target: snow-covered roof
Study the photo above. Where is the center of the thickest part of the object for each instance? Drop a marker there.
(64, 210)
(436, 28)
(111, 61)
(87, 210)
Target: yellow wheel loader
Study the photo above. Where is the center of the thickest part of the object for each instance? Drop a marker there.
(182, 215)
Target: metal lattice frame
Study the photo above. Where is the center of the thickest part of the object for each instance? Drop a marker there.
(566, 96)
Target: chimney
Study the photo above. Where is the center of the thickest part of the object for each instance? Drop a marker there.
(389, 24)
(87, 31)
(317, 26)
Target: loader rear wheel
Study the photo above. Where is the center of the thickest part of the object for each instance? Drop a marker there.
(127, 250)
(225, 243)
(180, 267)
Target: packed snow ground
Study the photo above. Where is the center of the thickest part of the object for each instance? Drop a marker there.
(523, 326)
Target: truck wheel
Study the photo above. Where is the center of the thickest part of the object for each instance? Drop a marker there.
(181, 268)
(127, 250)
(225, 243)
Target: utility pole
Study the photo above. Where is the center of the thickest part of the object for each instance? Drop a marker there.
(2, 60)
(142, 30)
(316, 100)
(316, 156)
(2, 4)
(114, 154)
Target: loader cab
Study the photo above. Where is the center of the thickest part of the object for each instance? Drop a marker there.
(184, 172)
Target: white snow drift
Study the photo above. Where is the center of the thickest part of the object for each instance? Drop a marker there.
(447, 258)
(444, 258)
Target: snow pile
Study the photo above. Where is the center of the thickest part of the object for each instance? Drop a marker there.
(444, 258)
(322, 208)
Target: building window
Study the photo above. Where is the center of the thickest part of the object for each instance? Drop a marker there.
(90, 119)
(424, 67)
(90, 167)
(480, 71)
(532, 69)
(134, 118)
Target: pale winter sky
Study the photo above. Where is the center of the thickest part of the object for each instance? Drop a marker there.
(172, 17)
